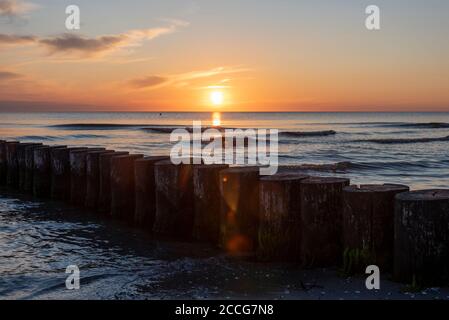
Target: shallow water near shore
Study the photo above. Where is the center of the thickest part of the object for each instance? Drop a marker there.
(38, 240)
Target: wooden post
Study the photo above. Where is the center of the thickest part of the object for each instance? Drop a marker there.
(123, 198)
(93, 177)
(12, 172)
(41, 172)
(27, 184)
(21, 161)
(421, 252)
(239, 214)
(174, 200)
(104, 194)
(207, 196)
(368, 224)
(3, 166)
(60, 173)
(322, 219)
(145, 210)
(78, 175)
(280, 217)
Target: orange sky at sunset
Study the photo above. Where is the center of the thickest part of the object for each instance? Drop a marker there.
(215, 56)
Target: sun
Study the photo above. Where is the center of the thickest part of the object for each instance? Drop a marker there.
(217, 98)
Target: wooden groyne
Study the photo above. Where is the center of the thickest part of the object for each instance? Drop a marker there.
(368, 224)
(42, 170)
(12, 173)
(280, 217)
(145, 210)
(22, 151)
(104, 192)
(174, 200)
(239, 217)
(322, 220)
(288, 217)
(93, 177)
(78, 171)
(206, 189)
(60, 173)
(123, 197)
(421, 252)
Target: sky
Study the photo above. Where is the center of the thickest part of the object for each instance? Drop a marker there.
(233, 55)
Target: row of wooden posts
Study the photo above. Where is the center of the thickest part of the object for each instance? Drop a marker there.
(315, 221)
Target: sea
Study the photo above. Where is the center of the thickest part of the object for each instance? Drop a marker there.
(39, 240)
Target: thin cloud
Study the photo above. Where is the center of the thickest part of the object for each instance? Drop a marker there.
(89, 47)
(80, 44)
(211, 72)
(15, 8)
(183, 79)
(7, 75)
(85, 47)
(16, 39)
(148, 82)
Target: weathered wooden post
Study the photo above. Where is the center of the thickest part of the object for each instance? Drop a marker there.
(322, 219)
(280, 217)
(29, 168)
(207, 197)
(174, 200)
(93, 177)
(60, 172)
(12, 172)
(3, 166)
(123, 198)
(104, 194)
(239, 216)
(145, 210)
(41, 172)
(368, 224)
(21, 160)
(78, 175)
(421, 252)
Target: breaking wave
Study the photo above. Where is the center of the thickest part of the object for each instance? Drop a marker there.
(37, 138)
(422, 125)
(308, 133)
(413, 125)
(95, 126)
(404, 140)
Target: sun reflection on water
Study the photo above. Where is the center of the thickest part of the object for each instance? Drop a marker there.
(216, 119)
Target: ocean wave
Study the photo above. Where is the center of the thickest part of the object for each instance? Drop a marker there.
(157, 128)
(399, 165)
(403, 141)
(53, 138)
(162, 129)
(369, 165)
(96, 126)
(308, 133)
(327, 167)
(412, 125)
(424, 125)
(86, 136)
(169, 129)
(391, 124)
(37, 138)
